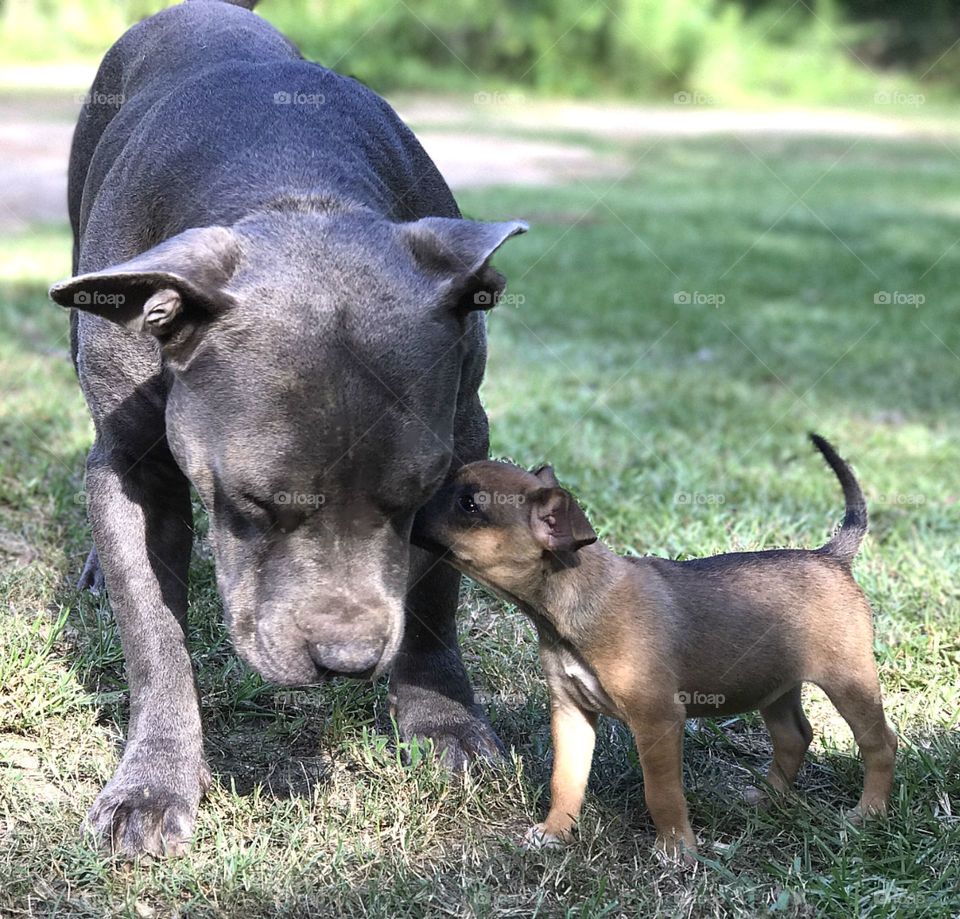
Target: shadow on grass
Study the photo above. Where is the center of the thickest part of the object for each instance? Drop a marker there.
(723, 756)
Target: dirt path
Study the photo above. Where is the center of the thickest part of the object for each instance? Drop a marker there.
(469, 139)
(33, 172)
(35, 144)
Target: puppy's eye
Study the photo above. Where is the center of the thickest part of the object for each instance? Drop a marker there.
(467, 504)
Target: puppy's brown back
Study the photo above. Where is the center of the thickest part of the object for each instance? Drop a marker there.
(741, 626)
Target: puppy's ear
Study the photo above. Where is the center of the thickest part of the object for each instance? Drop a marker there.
(176, 282)
(558, 522)
(458, 252)
(546, 476)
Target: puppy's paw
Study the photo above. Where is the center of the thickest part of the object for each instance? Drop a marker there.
(539, 837)
(861, 814)
(755, 796)
(675, 852)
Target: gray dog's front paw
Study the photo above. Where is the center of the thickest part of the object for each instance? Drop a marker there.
(431, 698)
(460, 733)
(462, 740)
(143, 811)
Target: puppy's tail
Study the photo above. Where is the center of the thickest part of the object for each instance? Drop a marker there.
(846, 541)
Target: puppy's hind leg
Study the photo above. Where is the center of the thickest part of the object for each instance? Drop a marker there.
(858, 701)
(790, 733)
(660, 745)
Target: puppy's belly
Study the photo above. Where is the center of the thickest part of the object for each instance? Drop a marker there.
(708, 703)
(741, 671)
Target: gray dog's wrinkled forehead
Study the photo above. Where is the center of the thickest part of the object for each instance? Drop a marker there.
(289, 244)
(340, 287)
(337, 308)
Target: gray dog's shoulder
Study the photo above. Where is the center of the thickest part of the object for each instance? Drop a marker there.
(209, 95)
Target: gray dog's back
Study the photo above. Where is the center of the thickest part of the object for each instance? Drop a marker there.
(231, 108)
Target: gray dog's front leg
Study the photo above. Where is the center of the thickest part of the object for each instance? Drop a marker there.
(141, 527)
(431, 693)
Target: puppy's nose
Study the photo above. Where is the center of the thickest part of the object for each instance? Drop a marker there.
(358, 657)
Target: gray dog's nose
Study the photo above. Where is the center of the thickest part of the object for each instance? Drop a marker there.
(351, 658)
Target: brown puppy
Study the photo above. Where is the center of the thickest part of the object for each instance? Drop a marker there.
(652, 641)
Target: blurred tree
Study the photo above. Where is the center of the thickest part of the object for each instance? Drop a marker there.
(734, 50)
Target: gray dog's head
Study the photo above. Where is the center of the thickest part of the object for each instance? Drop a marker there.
(314, 363)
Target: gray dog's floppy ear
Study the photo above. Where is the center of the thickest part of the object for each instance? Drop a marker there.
(558, 522)
(459, 252)
(150, 291)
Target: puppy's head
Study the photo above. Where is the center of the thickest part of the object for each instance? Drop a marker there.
(503, 525)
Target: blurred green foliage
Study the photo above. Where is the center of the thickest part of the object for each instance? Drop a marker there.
(825, 51)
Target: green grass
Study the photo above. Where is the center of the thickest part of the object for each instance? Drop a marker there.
(682, 427)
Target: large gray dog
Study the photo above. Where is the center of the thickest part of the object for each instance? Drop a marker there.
(275, 299)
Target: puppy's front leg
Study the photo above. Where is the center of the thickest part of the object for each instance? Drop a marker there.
(660, 746)
(574, 734)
